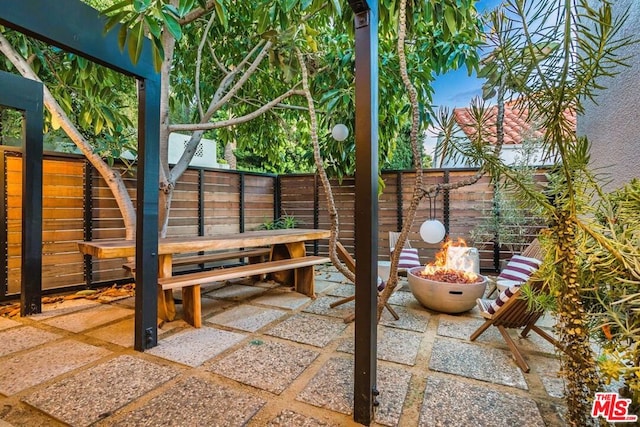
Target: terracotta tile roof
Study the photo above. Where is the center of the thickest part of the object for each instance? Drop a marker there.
(516, 123)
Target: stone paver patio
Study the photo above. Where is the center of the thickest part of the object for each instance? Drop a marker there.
(267, 356)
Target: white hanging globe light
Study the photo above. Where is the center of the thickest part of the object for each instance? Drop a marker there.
(340, 132)
(432, 231)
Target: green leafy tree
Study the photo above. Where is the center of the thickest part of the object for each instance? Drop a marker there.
(229, 73)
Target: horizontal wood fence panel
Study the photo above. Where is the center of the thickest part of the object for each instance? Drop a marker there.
(63, 222)
(213, 202)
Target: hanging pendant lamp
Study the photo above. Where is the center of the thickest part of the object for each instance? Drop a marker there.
(432, 231)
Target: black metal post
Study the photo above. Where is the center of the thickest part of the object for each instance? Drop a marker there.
(88, 220)
(146, 330)
(201, 196)
(399, 200)
(241, 206)
(495, 210)
(316, 210)
(366, 208)
(446, 204)
(277, 197)
(31, 291)
(26, 96)
(4, 231)
(83, 33)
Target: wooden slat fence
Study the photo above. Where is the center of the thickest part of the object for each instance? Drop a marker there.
(205, 201)
(78, 205)
(460, 210)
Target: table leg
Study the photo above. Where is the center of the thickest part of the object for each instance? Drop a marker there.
(286, 251)
(166, 304)
(302, 279)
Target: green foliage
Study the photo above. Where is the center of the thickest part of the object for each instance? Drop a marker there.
(444, 35)
(401, 157)
(611, 263)
(285, 221)
(508, 223)
(436, 46)
(142, 17)
(100, 102)
(512, 221)
(11, 125)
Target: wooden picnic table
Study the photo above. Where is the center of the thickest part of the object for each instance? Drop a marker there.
(285, 244)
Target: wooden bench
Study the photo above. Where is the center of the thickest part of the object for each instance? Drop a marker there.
(254, 255)
(190, 283)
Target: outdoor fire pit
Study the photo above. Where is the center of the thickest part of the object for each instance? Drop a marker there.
(451, 284)
(446, 297)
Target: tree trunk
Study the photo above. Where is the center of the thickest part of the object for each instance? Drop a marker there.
(333, 212)
(229, 156)
(166, 183)
(417, 162)
(579, 367)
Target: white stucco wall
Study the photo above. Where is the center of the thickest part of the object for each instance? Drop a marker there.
(613, 126)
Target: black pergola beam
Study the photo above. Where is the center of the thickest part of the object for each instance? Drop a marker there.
(75, 27)
(78, 28)
(366, 208)
(26, 96)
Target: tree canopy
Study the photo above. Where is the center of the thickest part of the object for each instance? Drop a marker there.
(444, 36)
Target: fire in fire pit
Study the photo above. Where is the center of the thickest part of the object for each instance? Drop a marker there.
(452, 265)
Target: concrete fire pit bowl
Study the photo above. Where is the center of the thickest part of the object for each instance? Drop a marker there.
(444, 297)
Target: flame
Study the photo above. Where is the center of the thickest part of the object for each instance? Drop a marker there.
(445, 262)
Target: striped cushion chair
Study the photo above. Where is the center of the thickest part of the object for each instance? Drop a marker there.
(509, 310)
(512, 312)
(409, 256)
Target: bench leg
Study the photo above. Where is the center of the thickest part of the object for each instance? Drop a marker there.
(304, 281)
(191, 305)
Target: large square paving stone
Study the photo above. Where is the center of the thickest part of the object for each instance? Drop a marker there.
(548, 368)
(463, 327)
(267, 365)
(64, 306)
(309, 329)
(88, 396)
(120, 333)
(247, 317)
(448, 402)
(411, 320)
(322, 306)
(236, 292)
(28, 369)
(194, 402)
(332, 388)
(8, 323)
(288, 418)
(342, 291)
(18, 339)
(394, 345)
(476, 361)
(195, 346)
(283, 299)
(87, 319)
